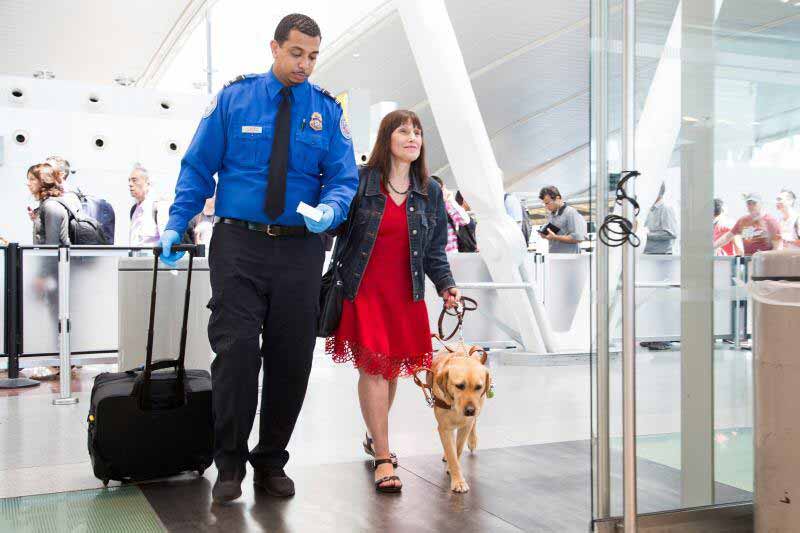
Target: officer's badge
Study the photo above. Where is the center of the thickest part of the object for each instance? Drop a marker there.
(344, 127)
(316, 121)
(212, 105)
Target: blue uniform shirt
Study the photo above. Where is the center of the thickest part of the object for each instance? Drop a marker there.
(234, 140)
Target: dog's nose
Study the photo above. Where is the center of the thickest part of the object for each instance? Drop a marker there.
(469, 410)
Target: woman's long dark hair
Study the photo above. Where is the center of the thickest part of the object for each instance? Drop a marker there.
(381, 157)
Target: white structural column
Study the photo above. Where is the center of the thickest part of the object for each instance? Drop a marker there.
(599, 118)
(697, 255)
(629, 271)
(469, 152)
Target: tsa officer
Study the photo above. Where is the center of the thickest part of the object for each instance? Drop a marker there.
(273, 140)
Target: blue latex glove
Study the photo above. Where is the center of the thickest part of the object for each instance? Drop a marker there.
(324, 223)
(168, 239)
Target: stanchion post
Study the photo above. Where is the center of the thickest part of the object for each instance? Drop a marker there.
(64, 348)
(12, 326)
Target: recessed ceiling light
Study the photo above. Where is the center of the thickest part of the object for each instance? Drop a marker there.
(356, 55)
(690, 119)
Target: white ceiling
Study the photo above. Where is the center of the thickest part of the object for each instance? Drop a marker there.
(528, 61)
(530, 73)
(93, 40)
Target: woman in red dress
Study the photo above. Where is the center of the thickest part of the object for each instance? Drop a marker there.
(398, 237)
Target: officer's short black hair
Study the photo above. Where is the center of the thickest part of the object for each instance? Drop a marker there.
(718, 205)
(551, 191)
(302, 23)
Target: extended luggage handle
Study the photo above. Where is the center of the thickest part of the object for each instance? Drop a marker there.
(142, 392)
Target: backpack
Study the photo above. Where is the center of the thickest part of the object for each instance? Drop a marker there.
(83, 229)
(465, 236)
(101, 211)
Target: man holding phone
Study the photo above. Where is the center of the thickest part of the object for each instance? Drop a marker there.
(565, 228)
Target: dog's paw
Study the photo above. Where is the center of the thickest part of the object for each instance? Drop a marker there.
(459, 486)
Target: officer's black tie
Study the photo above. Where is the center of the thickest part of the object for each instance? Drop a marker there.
(276, 179)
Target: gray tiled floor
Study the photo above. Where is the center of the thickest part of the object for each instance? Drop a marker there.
(43, 447)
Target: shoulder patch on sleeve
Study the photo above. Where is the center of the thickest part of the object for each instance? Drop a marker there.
(327, 93)
(237, 79)
(212, 105)
(344, 127)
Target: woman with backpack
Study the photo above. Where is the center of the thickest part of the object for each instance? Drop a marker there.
(51, 223)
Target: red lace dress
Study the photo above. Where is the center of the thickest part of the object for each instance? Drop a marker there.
(384, 331)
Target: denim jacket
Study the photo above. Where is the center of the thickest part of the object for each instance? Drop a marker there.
(427, 233)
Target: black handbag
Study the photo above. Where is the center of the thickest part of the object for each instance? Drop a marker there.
(331, 293)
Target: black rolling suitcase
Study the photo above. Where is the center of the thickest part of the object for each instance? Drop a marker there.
(155, 421)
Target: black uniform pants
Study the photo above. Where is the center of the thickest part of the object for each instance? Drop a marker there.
(268, 287)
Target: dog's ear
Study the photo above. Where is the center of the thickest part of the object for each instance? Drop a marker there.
(488, 382)
(442, 379)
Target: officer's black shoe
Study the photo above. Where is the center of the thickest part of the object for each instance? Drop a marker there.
(228, 486)
(274, 482)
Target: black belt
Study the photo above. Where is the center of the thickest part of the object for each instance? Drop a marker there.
(270, 230)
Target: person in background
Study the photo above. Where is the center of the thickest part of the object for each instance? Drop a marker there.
(722, 225)
(146, 226)
(760, 231)
(60, 171)
(565, 228)
(790, 220)
(662, 227)
(456, 215)
(516, 211)
(61, 167)
(51, 225)
(202, 226)
(467, 241)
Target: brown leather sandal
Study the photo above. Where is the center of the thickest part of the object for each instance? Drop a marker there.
(370, 449)
(385, 479)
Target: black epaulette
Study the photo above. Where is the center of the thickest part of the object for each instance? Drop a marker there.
(327, 93)
(237, 79)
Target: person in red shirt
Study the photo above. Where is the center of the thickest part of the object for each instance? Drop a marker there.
(760, 231)
(722, 225)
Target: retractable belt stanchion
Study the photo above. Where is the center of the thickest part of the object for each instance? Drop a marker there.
(12, 326)
(64, 348)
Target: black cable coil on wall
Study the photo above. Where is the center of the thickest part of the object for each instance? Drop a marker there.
(616, 230)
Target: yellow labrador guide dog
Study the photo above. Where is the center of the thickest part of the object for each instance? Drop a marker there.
(456, 386)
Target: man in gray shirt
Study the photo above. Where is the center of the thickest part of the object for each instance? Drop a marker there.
(662, 227)
(566, 228)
